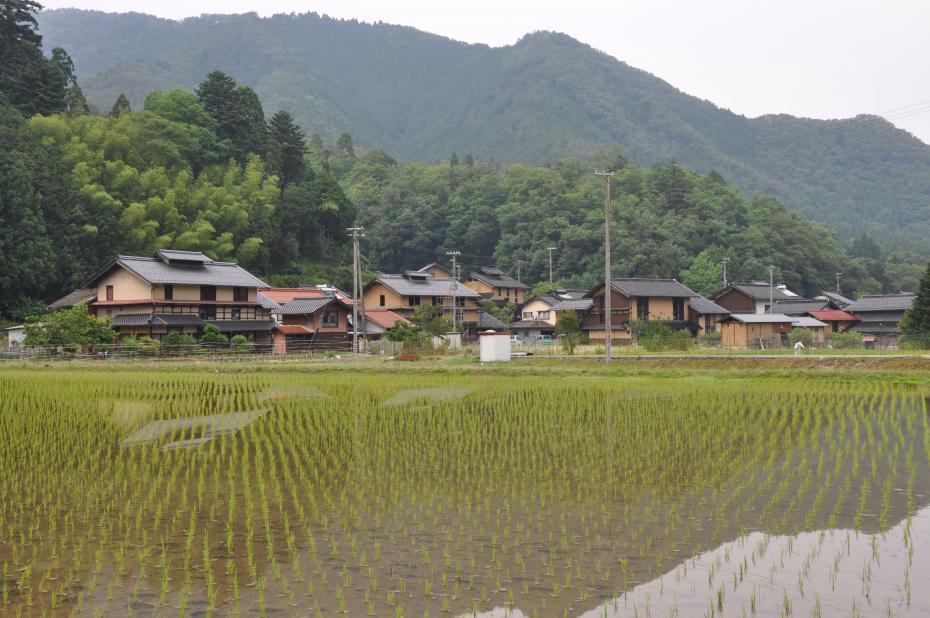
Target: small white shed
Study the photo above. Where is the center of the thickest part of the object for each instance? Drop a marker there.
(494, 346)
(16, 336)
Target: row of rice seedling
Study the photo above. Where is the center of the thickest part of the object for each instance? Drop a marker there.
(364, 494)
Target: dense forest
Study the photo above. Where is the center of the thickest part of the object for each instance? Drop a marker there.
(548, 97)
(209, 170)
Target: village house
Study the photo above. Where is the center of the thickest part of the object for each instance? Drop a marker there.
(436, 271)
(379, 321)
(540, 314)
(838, 320)
(494, 284)
(755, 297)
(179, 291)
(402, 294)
(879, 316)
(815, 327)
(704, 315)
(631, 299)
(312, 324)
(755, 330)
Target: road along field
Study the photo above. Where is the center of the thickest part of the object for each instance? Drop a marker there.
(388, 493)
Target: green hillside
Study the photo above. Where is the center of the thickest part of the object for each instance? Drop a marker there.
(421, 97)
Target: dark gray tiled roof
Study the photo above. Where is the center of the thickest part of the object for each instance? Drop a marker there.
(651, 287)
(706, 307)
(884, 302)
(877, 328)
(183, 256)
(582, 304)
(536, 324)
(799, 307)
(157, 272)
(426, 287)
(496, 278)
(177, 319)
(841, 301)
(243, 326)
(488, 321)
(305, 306)
(75, 297)
(137, 319)
(267, 303)
(761, 291)
(759, 318)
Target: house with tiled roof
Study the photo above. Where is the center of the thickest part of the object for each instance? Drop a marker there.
(879, 316)
(631, 299)
(179, 291)
(403, 293)
(754, 297)
(705, 314)
(494, 284)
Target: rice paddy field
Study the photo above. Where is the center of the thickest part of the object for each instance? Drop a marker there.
(150, 492)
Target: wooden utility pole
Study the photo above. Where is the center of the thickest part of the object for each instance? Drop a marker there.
(838, 276)
(771, 289)
(357, 321)
(519, 264)
(455, 281)
(608, 328)
(550, 250)
(725, 261)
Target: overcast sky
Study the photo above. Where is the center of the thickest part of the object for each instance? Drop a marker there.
(815, 58)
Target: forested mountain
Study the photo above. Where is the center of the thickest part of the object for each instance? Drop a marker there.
(547, 97)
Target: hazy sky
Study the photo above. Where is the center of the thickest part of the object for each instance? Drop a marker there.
(816, 58)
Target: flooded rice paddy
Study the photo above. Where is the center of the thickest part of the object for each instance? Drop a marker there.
(370, 494)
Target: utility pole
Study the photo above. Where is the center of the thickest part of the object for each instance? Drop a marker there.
(519, 264)
(771, 288)
(838, 275)
(724, 262)
(550, 250)
(455, 281)
(608, 329)
(355, 233)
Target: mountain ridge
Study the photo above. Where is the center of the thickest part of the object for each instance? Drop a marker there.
(548, 96)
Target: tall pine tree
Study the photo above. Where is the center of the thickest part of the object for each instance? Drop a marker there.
(915, 325)
(286, 149)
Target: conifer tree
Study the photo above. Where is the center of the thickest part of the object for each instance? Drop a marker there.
(286, 149)
(121, 106)
(915, 324)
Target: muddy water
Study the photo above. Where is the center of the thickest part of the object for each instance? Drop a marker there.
(440, 500)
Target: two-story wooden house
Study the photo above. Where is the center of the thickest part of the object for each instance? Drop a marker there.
(494, 284)
(755, 297)
(402, 294)
(636, 299)
(179, 291)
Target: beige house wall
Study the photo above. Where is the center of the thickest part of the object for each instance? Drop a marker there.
(534, 307)
(126, 286)
(659, 308)
(437, 273)
(392, 300)
(479, 286)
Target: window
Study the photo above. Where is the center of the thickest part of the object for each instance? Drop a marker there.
(381, 300)
(642, 308)
(109, 292)
(678, 308)
(507, 292)
(543, 315)
(208, 292)
(330, 319)
(241, 295)
(169, 291)
(527, 315)
(413, 301)
(236, 313)
(437, 300)
(208, 313)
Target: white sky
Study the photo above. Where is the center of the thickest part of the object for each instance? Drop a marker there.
(815, 58)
